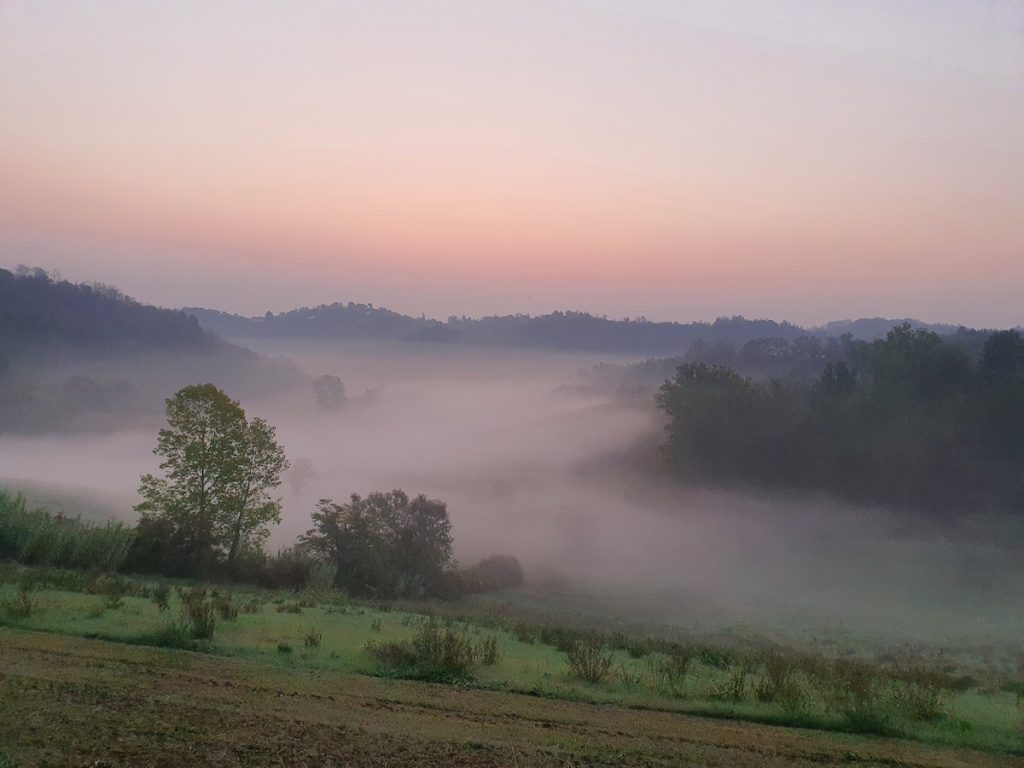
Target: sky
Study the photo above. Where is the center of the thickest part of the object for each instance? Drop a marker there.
(678, 160)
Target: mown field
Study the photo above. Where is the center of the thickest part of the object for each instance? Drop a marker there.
(74, 653)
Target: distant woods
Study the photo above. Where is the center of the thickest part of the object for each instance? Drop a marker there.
(78, 357)
(911, 420)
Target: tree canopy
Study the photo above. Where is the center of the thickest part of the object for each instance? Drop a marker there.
(909, 421)
(385, 544)
(213, 503)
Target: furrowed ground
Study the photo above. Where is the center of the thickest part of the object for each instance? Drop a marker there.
(74, 701)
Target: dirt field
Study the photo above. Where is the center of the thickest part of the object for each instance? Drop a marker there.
(68, 701)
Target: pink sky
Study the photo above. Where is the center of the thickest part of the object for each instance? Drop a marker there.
(804, 161)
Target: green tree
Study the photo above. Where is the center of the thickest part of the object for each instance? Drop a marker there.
(213, 501)
(329, 392)
(385, 544)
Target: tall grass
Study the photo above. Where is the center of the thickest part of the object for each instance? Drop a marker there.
(37, 537)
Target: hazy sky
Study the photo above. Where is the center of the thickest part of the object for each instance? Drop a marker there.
(681, 160)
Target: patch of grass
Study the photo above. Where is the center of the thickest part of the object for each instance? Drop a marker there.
(169, 635)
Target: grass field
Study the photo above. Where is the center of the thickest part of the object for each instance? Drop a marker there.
(269, 641)
(72, 701)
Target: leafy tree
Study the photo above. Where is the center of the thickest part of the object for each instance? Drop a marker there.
(385, 544)
(213, 501)
(329, 392)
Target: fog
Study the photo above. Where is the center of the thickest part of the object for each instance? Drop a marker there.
(565, 483)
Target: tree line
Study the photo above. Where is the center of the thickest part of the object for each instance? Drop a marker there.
(911, 420)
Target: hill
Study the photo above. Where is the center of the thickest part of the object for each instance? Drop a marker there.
(83, 356)
(579, 331)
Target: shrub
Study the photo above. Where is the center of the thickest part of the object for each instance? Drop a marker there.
(589, 660)
(920, 686)
(853, 689)
(253, 605)
(780, 681)
(670, 671)
(293, 568)
(161, 597)
(523, 632)
(433, 654)
(734, 687)
(197, 612)
(227, 610)
(492, 574)
(563, 638)
(284, 648)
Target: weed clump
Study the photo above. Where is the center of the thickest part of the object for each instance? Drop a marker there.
(161, 597)
(197, 612)
(225, 607)
(589, 660)
(488, 652)
(669, 672)
(313, 638)
(434, 654)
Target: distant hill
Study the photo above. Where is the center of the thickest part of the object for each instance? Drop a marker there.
(559, 330)
(41, 314)
(870, 328)
(85, 357)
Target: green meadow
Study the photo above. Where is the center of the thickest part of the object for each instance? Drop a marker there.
(969, 700)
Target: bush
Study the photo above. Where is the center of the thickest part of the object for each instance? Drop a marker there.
(734, 687)
(854, 690)
(161, 597)
(492, 574)
(670, 671)
(433, 654)
(253, 605)
(227, 610)
(293, 568)
(197, 612)
(589, 660)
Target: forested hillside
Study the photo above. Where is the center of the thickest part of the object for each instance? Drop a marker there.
(579, 331)
(911, 420)
(77, 356)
